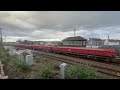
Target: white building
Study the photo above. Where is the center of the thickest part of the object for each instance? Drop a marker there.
(95, 43)
(112, 42)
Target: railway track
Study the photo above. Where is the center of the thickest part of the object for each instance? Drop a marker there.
(100, 68)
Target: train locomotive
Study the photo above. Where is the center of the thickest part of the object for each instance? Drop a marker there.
(107, 55)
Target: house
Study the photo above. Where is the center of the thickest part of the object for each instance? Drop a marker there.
(95, 42)
(111, 42)
(77, 41)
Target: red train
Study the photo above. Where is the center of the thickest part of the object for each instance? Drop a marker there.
(108, 55)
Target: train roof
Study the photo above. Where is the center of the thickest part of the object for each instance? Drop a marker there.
(86, 48)
(76, 47)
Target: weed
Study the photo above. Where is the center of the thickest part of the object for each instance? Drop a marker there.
(81, 72)
(46, 73)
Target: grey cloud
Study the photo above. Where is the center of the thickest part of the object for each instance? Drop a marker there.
(53, 24)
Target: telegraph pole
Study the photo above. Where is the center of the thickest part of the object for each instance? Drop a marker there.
(1, 40)
(74, 32)
(108, 39)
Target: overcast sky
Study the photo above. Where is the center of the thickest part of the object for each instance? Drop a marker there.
(57, 25)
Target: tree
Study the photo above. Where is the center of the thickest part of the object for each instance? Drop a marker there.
(25, 41)
(19, 41)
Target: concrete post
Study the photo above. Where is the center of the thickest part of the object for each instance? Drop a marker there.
(19, 56)
(29, 59)
(13, 52)
(63, 68)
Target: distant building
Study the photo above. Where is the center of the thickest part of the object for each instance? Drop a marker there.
(77, 41)
(39, 42)
(112, 42)
(10, 43)
(44, 43)
(95, 42)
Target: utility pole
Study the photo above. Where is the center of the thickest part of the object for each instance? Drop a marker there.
(74, 32)
(1, 41)
(108, 39)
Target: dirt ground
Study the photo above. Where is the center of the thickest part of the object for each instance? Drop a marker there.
(41, 62)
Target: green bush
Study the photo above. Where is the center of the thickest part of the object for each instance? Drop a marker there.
(2, 53)
(21, 65)
(4, 56)
(81, 72)
(46, 73)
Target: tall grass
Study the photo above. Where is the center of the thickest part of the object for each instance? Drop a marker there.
(81, 72)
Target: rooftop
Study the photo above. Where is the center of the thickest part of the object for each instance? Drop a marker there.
(96, 39)
(77, 38)
(113, 40)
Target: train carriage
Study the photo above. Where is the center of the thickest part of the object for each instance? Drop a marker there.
(106, 54)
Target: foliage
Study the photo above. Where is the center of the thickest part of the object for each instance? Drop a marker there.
(2, 52)
(4, 56)
(21, 65)
(81, 72)
(19, 40)
(46, 73)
